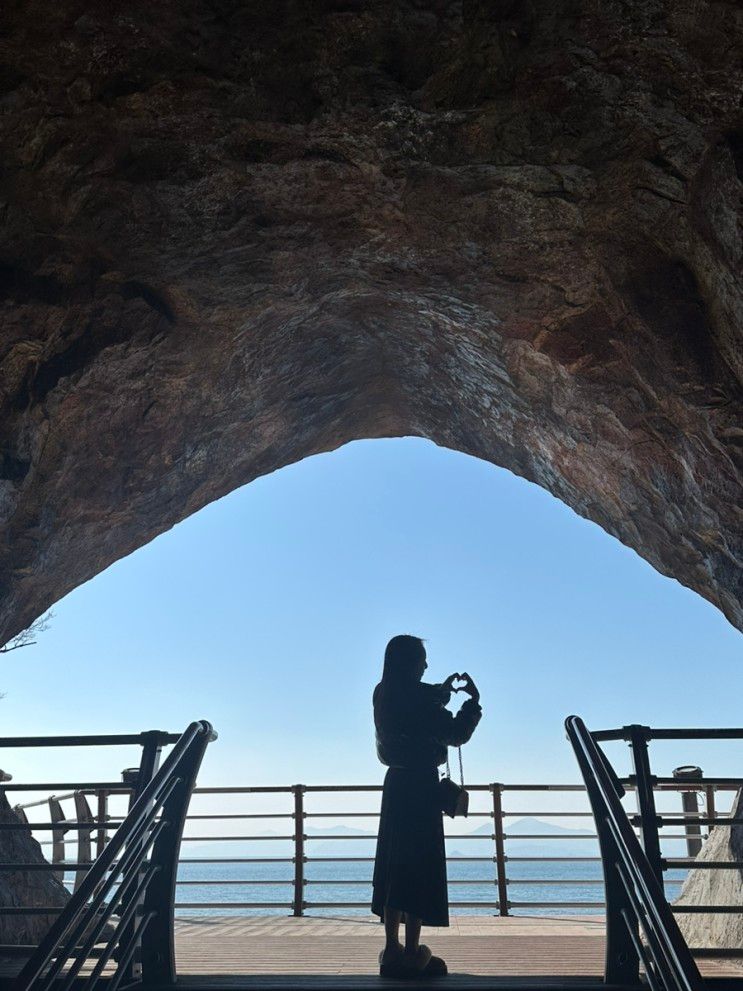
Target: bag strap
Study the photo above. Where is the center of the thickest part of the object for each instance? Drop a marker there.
(461, 769)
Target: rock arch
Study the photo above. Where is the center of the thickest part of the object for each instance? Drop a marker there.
(237, 234)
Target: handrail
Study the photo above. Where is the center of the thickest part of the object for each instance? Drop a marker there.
(89, 740)
(674, 733)
(134, 876)
(634, 894)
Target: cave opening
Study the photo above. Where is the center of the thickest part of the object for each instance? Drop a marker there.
(268, 611)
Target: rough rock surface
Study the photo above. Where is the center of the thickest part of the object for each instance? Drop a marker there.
(235, 234)
(716, 887)
(25, 887)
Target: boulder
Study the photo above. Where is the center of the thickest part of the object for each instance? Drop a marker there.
(716, 887)
(25, 888)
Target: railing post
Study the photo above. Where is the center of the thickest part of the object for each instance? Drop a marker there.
(637, 737)
(84, 852)
(157, 946)
(138, 779)
(102, 819)
(152, 746)
(709, 793)
(500, 848)
(56, 814)
(690, 807)
(298, 902)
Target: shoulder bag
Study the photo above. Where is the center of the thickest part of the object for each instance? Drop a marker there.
(454, 798)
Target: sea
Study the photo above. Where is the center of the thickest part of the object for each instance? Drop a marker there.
(580, 884)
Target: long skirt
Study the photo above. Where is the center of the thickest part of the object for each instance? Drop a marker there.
(410, 863)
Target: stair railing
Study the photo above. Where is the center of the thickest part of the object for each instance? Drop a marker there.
(640, 927)
(130, 889)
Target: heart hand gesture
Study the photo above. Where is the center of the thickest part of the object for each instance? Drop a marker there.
(468, 686)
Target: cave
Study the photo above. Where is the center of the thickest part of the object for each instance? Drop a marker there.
(234, 235)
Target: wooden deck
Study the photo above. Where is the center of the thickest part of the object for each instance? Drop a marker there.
(481, 951)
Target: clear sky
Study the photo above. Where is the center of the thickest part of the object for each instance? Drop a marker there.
(268, 613)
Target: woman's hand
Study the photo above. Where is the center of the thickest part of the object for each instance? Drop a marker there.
(469, 687)
(449, 683)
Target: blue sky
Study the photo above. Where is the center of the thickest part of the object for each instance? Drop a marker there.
(268, 613)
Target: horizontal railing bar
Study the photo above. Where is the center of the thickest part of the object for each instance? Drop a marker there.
(363, 860)
(701, 821)
(288, 789)
(338, 881)
(553, 860)
(92, 740)
(679, 836)
(60, 824)
(336, 836)
(259, 838)
(60, 865)
(551, 904)
(535, 787)
(354, 815)
(234, 904)
(244, 815)
(236, 860)
(261, 881)
(30, 909)
(703, 783)
(37, 803)
(548, 836)
(363, 836)
(339, 860)
(703, 733)
(375, 815)
(113, 787)
(463, 904)
(508, 814)
(705, 865)
(707, 909)
(680, 733)
(574, 882)
(717, 951)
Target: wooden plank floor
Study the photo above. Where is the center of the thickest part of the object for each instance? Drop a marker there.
(283, 952)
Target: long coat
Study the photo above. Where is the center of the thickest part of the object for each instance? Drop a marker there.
(413, 731)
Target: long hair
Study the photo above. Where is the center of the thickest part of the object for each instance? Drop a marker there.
(401, 658)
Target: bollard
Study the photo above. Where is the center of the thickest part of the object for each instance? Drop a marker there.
(689, 805)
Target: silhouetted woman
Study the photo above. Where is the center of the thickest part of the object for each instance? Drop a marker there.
(413, 731)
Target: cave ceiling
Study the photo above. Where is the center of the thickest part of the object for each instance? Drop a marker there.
(236, 234)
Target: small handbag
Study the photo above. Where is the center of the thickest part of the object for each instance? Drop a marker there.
(454, 798)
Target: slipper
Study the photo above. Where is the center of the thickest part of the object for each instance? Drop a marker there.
(394, 966)
(420, 961)
(403, 966)
(436, 967)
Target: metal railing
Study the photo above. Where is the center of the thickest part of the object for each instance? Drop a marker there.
(649, 821)
(506, 869)
(130, 887)
(151, 744)
(640, 926)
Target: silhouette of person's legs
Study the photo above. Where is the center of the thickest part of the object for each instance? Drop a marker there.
(412, 954)
(412, 933)
(392, 919)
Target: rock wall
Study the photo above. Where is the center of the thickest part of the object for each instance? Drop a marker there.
(235, 234)
(30, 888)
(716, 887)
